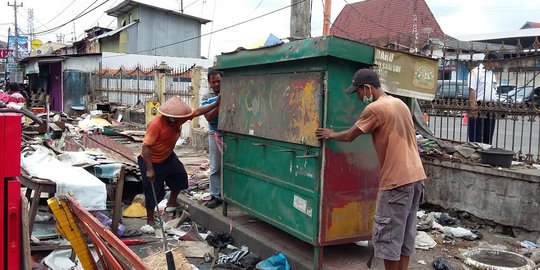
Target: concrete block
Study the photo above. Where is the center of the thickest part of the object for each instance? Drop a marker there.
(507, 197)
(199, 138)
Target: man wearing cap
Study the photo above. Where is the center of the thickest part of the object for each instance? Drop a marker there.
(401, 185)
(158, 162)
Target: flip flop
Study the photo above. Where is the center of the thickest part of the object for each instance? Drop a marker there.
(132, 233)
(172, 209)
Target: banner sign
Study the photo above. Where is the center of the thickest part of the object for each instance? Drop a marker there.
(4, 53)
(406, 75)
(24, 46)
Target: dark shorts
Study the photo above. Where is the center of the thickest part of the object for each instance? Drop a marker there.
(394, 230)
(171, 172)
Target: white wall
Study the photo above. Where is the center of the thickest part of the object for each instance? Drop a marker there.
(117, 60)
(88, 63)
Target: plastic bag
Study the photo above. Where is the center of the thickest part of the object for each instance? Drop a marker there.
(276, 262)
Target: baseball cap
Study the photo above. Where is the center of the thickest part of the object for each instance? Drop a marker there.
(362, 76)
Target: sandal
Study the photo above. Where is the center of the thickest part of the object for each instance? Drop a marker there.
(172, 209)
(132, 233)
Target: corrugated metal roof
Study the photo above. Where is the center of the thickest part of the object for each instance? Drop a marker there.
(114, 32)
(112, 150)
(127, 5)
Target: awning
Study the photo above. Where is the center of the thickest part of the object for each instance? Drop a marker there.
(32, 67)
(114, 32)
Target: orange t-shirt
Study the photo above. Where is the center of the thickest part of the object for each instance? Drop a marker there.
(394, 136)
(161, 136)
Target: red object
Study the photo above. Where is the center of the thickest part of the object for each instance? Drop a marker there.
(100, 234)
(13, 224)
(10, 149)
(354, 22)
(4, 53)
(10, 190)
(38, 110)
(132, 242)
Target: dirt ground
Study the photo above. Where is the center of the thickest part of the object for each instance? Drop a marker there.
(494, 235)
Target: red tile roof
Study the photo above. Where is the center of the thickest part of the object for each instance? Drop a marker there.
(381, 22)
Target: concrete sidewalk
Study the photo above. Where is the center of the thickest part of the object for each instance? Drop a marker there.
(266, 240)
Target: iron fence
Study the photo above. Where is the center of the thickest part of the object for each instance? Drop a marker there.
(504, 79)
(132, 86)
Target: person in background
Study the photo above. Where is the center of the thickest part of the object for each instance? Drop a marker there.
(482, 88)
(16, 96)
(401, 183)
(215, 138)
(158, 163)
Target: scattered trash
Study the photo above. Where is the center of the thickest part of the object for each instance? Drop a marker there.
(459, 232)
(445, 219)
(200, 196)
(528, 244)
(442, 264)
(422, 262)
(195, 249)
(147, 229)
(193, 234)
(424, 241)
(208, 257)
(135, 210)
(233, 257)
(60, 259)
(276, 262)
(105, 220)
(220, 239)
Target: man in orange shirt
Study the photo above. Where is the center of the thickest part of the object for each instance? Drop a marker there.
(401, 185)
(158, 162)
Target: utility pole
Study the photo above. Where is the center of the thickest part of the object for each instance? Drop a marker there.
(15, 6)
(300, 19)
(415, 29)
(7, 60)
(74, 32)
(327, 16)
(181, 6)
(30, 23)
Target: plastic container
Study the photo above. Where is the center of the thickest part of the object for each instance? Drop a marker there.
(105, 220)
(497, 157)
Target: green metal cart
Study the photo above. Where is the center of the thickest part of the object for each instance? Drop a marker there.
(273, 100)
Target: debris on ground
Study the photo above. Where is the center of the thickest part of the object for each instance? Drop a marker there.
(424, 241)
(441, 264)
(276, 262)
(219, 239)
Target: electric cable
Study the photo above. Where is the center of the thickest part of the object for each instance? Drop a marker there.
(83, 13)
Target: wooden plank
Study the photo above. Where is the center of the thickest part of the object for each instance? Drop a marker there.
(119, 190)
(27, 254)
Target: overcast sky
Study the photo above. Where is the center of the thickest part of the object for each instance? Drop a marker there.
(456, 18)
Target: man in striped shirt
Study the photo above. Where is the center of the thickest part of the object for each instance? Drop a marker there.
(214, 138)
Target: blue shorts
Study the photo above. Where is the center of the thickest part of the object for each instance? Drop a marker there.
(171, 172)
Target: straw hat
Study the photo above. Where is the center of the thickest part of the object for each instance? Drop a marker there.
(175, 107)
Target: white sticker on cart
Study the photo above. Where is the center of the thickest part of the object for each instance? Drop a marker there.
(300, 204)
(309, 211)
